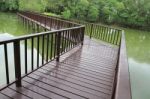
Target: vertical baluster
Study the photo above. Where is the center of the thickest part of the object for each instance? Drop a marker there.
(37, 51)
(102, 33)
(47, 48)
(32, 53)
(72, 38)
(51, 53)
(114, 38)
(76, 36)
(55, 45)
(65, 37)
(63, 40)
(82, 36)
(69, 38)
(43, 49)
(6, 63)
(118, 37)
(91, 31)
(93, 34)
(25, 46)
(58, 46)
(99, 32)
(17, 63)
(107, 33)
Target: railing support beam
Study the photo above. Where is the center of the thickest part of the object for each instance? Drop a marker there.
(58, 38)
(17, 63)
(91, 31)
(82, 35)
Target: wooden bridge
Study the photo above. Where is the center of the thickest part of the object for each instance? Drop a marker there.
(72, 66)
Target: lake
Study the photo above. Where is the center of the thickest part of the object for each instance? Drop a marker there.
(138, 48)
(11, 27)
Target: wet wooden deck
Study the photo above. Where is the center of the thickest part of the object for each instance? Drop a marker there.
(83, 73)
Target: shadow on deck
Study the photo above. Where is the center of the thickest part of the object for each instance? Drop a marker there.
(86, 72)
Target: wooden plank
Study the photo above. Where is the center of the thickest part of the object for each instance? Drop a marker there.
(87, 83)
(41, 91)
(85, 57)
(80, 82)
(28, 92)
(65, 85)
(15, 95)
(80, 75)
(2, 96)
(42, 84)
(83, 70)
(91, 67)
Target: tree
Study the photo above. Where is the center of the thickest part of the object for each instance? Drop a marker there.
(93, 13)
(33, 5)
(66, 14)
(9, 5)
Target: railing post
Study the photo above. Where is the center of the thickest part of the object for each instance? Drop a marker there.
(58, 42)
(17, 63)
(91, 31)
(82, 35)
(45, 22)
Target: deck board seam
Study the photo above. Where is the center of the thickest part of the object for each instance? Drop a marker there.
(77, 80)
(84, 78)
(69, 86)
(57, 87)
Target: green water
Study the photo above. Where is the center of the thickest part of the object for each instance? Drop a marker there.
(11, 27)
(138, 48)
(9, 23)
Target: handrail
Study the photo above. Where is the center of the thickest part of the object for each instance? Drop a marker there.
(39, 34)
(123, 88)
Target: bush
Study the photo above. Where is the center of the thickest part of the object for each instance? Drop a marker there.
(66, 14)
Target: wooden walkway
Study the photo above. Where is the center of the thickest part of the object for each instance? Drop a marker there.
(83, 73)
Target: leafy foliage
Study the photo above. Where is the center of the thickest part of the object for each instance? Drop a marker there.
(10, 5)
(133, 13)
(66, 14)
(32, 5)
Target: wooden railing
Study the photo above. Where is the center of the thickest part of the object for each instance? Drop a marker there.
(47, 22)
(105, 33)
(50, 45)
(122, 88)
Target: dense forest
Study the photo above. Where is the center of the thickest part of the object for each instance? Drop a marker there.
(131, 13)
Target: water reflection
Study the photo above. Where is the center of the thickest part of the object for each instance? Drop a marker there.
(10, 51)
(9, 23)
(140, 79)
(139, 62)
